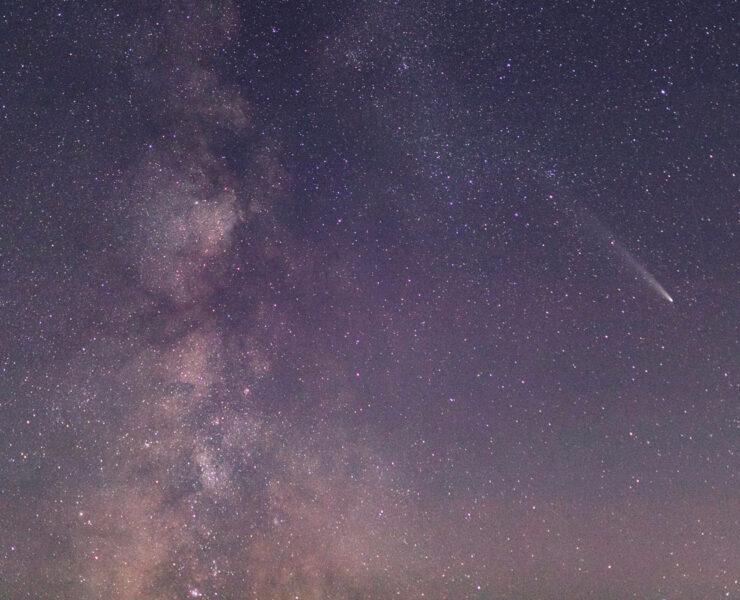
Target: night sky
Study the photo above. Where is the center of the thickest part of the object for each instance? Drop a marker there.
(369, 300)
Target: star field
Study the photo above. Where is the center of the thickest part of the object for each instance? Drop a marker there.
(369, 300)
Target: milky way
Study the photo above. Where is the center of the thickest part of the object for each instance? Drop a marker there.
(316, 301)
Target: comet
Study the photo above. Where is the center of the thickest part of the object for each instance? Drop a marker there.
(641, 270)
(624, 254)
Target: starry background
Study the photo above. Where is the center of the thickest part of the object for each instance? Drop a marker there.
(369, 299)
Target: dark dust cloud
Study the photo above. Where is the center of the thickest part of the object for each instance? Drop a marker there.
(362, 300)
